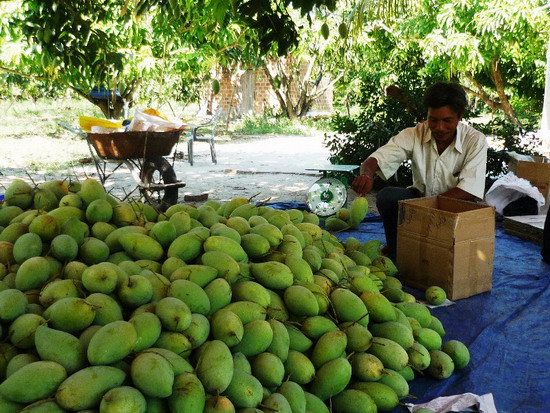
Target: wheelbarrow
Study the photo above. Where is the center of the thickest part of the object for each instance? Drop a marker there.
(144, 155)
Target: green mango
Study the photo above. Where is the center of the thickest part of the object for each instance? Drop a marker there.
(436, 325)
(353, 401)
(27, 246)
(215, 367)
(199, 330)
(428, 338)
(441, 365)
(85, 388)
(270, 232)
(7, 213)
(395, 331)
(18, 361)
(199, 274)
(43, 406)
(277, 308)
(33, 382)
(173, 313)
(297, 339)
(419, 356)
(276, 402)
(19, 193)
(175, 342)
(186, 247)
(112, 343)
(141, 246)
(148, 328)
(13, 231)
(366, 367)
(61, 347)
(300, 268)
(107, 309)
(458, 352)
(191, 294)
(218, 404)
(158, 384)
(359, 337)
(384, 396)
(379, 307)
(123, 399)
(349, 307)
(269, 369)
(257, 337)
(331, 378)
(219, 294)
(272, 274)
(329, 346)
(181, 220)
(178, 363)
(240, 362)
(227, 245)
(227, 327)
(280, 344)
(300, 301)
(314, 327)
(70, 314)
(226, 266)
(417, 311)
(392, 355)
(396, 381)
(91, 190)
(21, 331)
(251, 291)
(13, 303)
(247, 311)
(244, 390)
(188, 394)
(299, 368)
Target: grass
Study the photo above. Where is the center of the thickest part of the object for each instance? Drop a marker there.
(41, 117)
(261, 125)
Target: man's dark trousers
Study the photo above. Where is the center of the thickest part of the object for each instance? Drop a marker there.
(387, 201)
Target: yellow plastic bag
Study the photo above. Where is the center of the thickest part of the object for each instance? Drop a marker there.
(86, 123)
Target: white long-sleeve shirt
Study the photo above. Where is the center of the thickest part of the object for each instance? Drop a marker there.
(462, 164)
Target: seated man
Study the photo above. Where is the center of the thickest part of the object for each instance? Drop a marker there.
(448, 157)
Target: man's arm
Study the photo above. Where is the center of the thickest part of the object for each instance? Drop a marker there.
(364, 182)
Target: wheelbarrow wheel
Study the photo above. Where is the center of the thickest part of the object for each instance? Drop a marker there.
(157, 172)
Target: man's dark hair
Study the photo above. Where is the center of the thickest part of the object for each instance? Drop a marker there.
(446, 94)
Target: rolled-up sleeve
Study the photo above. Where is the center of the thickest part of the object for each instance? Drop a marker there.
(398, 149)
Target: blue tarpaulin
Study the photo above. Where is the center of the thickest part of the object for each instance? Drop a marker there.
(507, 330)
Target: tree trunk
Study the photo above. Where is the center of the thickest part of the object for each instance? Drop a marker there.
(496, 77)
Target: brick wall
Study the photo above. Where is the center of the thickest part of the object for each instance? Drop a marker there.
(249, 90)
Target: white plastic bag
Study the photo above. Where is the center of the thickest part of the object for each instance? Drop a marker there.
(145, 122)
(510, 188)
(484, 403)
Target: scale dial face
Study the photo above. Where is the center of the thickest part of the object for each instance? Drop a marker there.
(326, 196)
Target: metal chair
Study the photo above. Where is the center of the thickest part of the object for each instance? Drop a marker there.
(209, 137)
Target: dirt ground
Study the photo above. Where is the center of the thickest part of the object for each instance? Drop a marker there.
(267, 167)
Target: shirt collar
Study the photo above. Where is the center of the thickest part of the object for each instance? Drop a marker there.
(458, 142)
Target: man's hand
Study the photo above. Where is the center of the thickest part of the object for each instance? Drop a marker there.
(362, 185)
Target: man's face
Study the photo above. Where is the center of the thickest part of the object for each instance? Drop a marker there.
(443, 122)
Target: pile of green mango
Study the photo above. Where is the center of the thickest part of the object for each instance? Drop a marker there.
(110, 306)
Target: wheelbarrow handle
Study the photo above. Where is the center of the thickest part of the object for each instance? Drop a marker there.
(79, 132)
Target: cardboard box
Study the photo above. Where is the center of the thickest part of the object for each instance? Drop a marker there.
(537, 172)
(446, 242)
